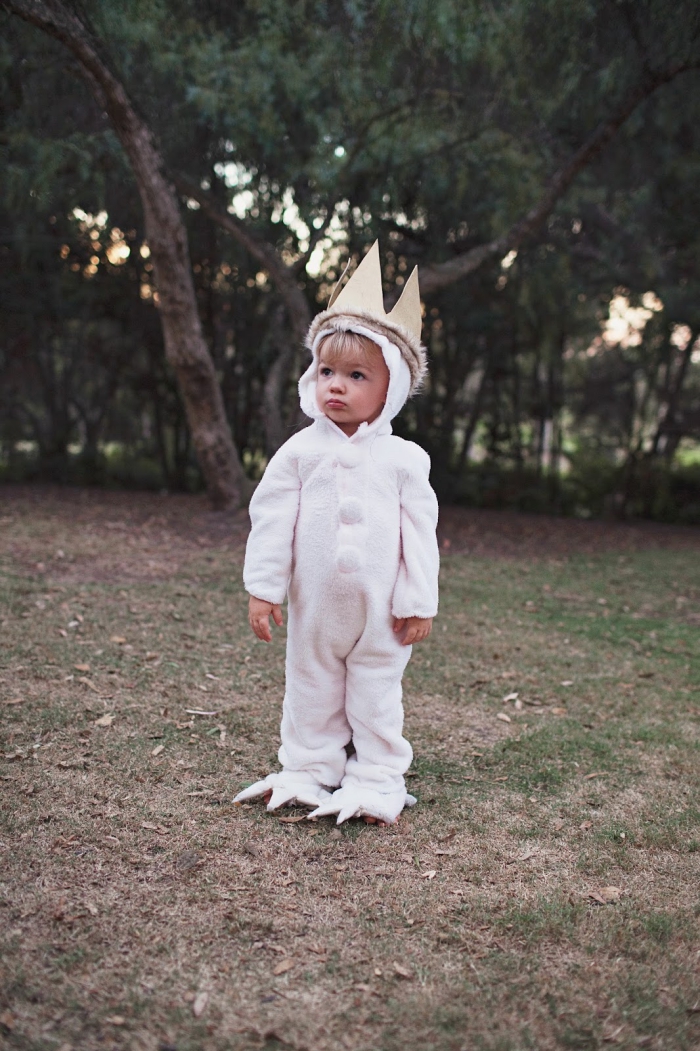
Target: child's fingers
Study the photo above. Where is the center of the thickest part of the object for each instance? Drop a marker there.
(398, 624)
(277, 616)
(416, 633)
(261, 627)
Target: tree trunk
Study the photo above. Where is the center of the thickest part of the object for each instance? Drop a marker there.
(674, 389)
(474, 416)
(185, 346)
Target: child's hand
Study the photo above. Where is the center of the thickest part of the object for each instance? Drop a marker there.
(259, 617)
(414, 629)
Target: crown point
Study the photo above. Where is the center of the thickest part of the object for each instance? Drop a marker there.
(407, 311)
(363, 291)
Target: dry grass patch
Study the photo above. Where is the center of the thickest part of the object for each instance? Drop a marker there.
(141, 909)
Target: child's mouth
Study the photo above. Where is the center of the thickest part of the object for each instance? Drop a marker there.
(333, 403)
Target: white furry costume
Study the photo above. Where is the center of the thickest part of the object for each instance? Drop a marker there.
(346, 528)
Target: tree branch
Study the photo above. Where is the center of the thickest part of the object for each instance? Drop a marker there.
(282, 276)
(440, 275)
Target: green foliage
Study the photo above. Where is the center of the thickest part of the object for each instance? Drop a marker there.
(432, 125)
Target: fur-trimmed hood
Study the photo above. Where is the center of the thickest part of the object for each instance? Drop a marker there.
(410, 347)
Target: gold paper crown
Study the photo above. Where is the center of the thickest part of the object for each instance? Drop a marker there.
(363, 293)
(361, 302)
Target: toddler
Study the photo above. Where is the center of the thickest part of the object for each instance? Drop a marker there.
(343, 524)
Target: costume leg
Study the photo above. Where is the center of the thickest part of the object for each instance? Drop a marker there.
(373, 783)
(314, 728)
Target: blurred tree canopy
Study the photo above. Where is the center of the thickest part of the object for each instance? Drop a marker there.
(537, 159)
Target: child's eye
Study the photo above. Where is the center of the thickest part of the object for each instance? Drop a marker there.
(325, 371)
(357, 375)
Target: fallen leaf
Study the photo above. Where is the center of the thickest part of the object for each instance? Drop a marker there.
(283, 966)
(585, 825)
(597, 773)
(318, 949)
(118, 639)
(402, 972)
(558, 824)
(199, 711)
(82, 667)
(151, 656)
(160, 829)
(503, 717)
(510, 697)
(611, 1038)
(363, 987)
(448, 836)
(606, 895)
(567, 682)
(7, 1020)
(158, 749)
(92, 909)
(292, 820)
(200, 1002)
(15, 700)
(558, 711)
(188, 860)
(430, 874)
(115, 1019)
(518, 706)
(105, 720)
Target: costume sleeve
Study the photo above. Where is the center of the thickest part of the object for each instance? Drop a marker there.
(273, 516)
(416, 590)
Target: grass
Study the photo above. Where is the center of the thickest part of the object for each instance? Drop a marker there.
(133, 892)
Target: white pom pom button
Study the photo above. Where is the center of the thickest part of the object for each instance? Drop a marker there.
(348, 559)
(351, 510)
(348, 456)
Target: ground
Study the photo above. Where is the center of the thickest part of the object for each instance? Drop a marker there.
(543, 894)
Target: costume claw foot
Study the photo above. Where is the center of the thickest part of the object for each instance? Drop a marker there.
(356, 801)
(287, 788)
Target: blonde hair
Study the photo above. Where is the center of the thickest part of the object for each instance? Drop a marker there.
(338, 345)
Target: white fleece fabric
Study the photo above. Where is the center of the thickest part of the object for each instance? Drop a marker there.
(345, 528)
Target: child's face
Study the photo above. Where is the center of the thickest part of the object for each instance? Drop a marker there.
(352, 389)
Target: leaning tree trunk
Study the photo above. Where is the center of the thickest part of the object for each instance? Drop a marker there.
(185, 347)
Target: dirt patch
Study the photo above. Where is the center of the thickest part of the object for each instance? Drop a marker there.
(505, 534)
(173, 524)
